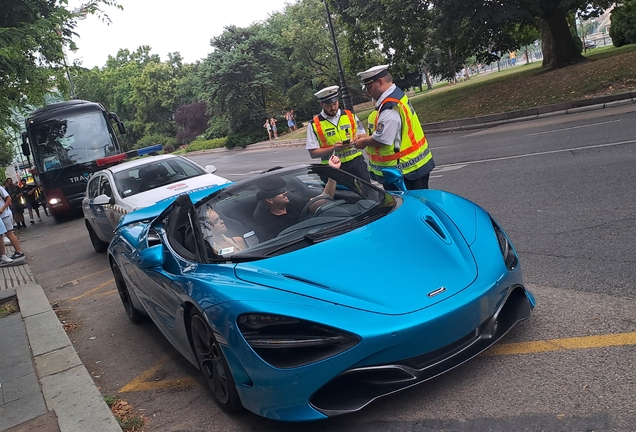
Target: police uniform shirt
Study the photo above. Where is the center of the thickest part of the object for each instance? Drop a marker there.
(312, 139)
(389, 129)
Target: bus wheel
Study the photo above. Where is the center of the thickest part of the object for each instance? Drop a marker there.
(99, 245)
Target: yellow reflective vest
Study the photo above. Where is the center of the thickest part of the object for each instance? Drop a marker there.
(328, 135)
(414, 158)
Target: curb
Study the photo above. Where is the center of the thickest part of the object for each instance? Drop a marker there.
(67, 386)
(572, 107)
(71, 400)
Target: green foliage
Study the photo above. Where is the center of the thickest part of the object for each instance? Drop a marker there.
(239, 75)
(6, 149)
(153, 139)
(206, 144)
(623, 28)
(33, 34)
(243, 139)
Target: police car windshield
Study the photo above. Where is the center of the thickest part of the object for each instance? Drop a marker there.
(142, 178)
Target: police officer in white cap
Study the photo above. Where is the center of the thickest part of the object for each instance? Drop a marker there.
(396, 136)
(334, 131)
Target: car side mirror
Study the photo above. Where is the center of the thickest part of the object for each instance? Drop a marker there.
(210, 168)
(393, 176)
(150, 257)
(103, 199)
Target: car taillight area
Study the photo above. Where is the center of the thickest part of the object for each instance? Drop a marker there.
(287, 342)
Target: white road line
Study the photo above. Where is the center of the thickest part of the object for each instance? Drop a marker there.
(573, 127)
(462, 164)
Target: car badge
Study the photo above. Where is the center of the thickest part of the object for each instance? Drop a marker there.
(437, 291)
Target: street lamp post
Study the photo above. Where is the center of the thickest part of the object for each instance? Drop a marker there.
(346, 96)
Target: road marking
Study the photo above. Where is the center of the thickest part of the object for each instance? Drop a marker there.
(566, 344)
(144, 381)
(97, 288)
(76, 281)
(573, 127)
(462, 164)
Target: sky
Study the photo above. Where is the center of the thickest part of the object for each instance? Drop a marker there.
(166, 26)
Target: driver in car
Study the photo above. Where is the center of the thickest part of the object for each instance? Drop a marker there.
(280, 215)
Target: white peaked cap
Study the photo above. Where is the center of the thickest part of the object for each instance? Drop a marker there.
(328, 94)
(373, 73)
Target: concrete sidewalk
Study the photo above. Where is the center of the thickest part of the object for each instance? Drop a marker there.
(44, 387)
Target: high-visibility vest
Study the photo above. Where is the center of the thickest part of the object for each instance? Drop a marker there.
(328, 135)
(414, 152)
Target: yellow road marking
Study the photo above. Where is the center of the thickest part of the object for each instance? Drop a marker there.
(97, 288)
(145, 381)
(105, 293)
(564, 344)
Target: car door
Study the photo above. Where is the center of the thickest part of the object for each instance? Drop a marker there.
(166, 286)
(98, 216)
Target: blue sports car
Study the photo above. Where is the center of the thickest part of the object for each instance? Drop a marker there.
(304, 293)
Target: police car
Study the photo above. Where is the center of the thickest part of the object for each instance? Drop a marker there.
(120, 189)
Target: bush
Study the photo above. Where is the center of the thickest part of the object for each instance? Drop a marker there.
(206, 144)
(153, 139)
(168, 148)
(623, 28)
(243, 139)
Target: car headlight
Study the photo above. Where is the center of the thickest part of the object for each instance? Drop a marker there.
(507, 252)
(287, 342)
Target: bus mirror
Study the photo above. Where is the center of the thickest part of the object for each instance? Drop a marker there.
(121, 128)
(25, 146)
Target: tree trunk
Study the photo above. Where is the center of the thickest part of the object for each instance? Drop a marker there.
(557, 44)
(427, 77)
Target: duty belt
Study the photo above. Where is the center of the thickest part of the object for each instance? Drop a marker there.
(402, 166)
(342, 155)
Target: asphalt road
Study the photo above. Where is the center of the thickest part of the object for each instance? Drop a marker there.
(565, 190)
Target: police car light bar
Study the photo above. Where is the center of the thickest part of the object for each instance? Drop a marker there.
(128, 155)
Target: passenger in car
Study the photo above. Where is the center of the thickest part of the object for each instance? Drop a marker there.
(214, 231)
(278, 214)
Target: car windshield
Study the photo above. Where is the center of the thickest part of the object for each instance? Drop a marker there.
(142, 178)
(286, 210)
(71, 140)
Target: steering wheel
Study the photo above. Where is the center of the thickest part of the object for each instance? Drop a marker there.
(304, 214)
(326, 206)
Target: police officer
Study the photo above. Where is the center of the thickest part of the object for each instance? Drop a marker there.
(335, 130)
(396, 136)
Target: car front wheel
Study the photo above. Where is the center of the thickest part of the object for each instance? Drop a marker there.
(133, 313)
(99, 245)
(213, 364)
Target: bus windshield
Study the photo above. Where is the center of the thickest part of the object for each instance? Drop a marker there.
(70, 140)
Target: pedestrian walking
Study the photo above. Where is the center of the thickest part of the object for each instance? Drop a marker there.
(334, 131)
(17, 207)
(397, 139)
(7, 228)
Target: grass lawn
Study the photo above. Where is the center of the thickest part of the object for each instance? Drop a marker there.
(608, 70)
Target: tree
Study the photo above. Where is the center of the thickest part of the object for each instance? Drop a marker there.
(191, 120)
(33, 34)
(495, 24)
(239, 76)
(623, 28)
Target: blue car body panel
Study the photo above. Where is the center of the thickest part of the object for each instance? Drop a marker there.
(423, 288)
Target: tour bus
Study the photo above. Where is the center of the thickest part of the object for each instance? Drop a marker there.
(65, 140)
